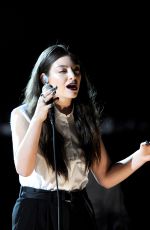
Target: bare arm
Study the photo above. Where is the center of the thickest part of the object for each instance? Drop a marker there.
(109, 175)
(25, 137)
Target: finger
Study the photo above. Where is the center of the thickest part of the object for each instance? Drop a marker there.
(50, 105)
(42, 99)
(147, 142)
(55, 99)
(42, 95)
(48, 92)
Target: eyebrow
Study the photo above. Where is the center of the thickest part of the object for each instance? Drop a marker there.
(66, 66)
(61, 66)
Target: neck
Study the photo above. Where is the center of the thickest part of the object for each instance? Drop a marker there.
(66, 109)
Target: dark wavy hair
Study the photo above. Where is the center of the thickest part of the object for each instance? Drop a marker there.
(86, 112)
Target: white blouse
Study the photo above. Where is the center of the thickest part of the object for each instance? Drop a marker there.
(43, 176)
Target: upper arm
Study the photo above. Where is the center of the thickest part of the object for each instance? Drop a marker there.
(100, 168)
(19, 126)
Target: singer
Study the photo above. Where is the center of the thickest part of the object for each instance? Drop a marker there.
(54, 156)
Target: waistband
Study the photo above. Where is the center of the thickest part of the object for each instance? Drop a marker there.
(68, 196)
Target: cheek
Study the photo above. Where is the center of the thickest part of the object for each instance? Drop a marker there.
(57, 80)
(54, 82)
(60, 86)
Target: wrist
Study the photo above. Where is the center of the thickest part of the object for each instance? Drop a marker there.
(138, 159)
(36, 120)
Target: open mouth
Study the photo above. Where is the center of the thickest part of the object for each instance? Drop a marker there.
(72, 86)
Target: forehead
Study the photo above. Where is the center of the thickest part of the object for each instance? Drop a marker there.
(63, 61)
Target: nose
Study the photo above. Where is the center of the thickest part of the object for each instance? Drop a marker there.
(71, 74)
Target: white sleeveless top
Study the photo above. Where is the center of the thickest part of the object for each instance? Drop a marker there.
(43, 176)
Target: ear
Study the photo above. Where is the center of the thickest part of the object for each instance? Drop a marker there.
(44, 78)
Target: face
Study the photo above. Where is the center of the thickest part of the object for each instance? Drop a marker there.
(66, 76)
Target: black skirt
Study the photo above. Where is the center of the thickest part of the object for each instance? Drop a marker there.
(38, 209)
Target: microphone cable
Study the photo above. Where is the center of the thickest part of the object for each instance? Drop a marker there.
(51, 116)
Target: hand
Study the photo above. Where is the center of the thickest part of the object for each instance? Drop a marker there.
(44, 104)
(145, 151)
(48, 92)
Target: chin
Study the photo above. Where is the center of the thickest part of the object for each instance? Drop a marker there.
(74, 95)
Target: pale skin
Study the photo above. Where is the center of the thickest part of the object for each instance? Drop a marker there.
(26, 136)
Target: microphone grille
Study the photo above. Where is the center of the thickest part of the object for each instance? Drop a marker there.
(46, 87)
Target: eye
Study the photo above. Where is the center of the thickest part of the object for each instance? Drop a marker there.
(77, 71)
(63, 71)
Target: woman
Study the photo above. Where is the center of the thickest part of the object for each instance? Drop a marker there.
(56, 141)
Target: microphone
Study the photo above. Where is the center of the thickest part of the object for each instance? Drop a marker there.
(49, 87)
(52, 90)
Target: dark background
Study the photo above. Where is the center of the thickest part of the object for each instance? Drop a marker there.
(113, 42)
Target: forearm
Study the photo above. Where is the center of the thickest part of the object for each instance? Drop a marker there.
(25, 155)
(122, 170)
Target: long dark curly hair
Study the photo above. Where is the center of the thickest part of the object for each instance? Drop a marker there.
(86, 112)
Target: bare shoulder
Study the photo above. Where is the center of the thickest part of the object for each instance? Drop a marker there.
(16, 112)
(17, 115)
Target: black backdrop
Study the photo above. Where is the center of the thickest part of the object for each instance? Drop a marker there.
(114, 48)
